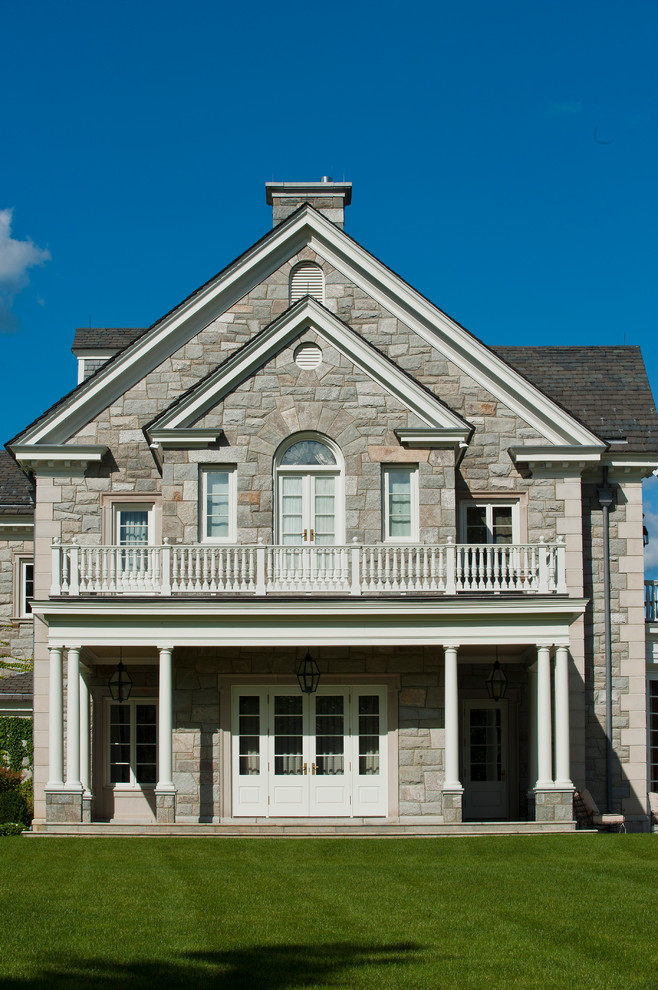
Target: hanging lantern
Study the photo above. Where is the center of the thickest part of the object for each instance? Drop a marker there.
(120, 684)
(308, 674)
(497, 682)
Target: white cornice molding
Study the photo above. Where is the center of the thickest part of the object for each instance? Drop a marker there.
(568, 457)
(643, 465)
(304, 228)
(16, 525)
(47, 457)
(189, 439)
(437, 439)
(308, 314)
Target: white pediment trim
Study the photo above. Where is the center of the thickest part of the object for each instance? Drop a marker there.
(308, 314)
(304, 228)
(58, 457)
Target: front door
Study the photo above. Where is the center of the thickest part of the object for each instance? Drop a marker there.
(320, 755)
(485, 760)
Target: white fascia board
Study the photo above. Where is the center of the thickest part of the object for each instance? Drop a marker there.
(309, 314)
(189, 438)
(644, 464)
(15, 525)
(47, 456)
(342, 623)
(446, 336)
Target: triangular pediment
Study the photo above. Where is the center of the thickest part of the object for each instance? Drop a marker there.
(307, 228)
(441, 424)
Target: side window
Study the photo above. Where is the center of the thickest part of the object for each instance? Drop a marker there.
(489, 523)
(23, 586)
(400, 498)
(218, 505)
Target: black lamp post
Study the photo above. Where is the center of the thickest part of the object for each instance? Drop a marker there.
(497, 682)
(120, 684)
(308, 674)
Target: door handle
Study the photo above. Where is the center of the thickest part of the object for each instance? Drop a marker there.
(312, 767)
(305, 769)
(305, 535)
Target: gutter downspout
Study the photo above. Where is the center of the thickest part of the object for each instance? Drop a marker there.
(606, 498)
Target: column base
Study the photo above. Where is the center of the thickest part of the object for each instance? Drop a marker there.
(87, 798)
(64, 807)
(165, 807)
(552, 805)
(451, 806)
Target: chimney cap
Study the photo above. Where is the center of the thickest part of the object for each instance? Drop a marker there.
(309, 190)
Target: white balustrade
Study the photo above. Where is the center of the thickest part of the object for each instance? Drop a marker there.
(380, 568)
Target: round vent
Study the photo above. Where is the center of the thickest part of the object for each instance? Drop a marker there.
(308, 356)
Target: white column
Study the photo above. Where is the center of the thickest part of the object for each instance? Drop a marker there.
(165, 722)
(84, 733)
(544, 707)
(55, 721)
(73, 720)
(451, 757)
(562, 764)
(532, 726)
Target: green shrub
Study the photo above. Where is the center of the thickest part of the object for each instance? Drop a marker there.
(11, 828)
(27, 790)
(10, 780)
(13, 808)
(16, 749)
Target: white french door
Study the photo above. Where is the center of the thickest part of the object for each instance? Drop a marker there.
(307, 509)
(297, 755)
(486, 794)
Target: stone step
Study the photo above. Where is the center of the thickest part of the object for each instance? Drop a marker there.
(317, 829)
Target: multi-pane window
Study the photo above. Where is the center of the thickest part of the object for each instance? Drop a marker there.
(653, 735)
(489, 522)
(133, 727)
(26, 587)
(369, 732)
(219, 504)
(249, 734)
(309, 490)
(400, 484)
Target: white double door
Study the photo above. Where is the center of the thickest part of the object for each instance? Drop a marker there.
(320, 755)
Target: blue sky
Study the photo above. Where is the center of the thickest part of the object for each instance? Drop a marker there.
(503, 157)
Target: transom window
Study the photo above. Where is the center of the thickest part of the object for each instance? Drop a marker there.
(219, 504)
(400, 497)
(489, 522)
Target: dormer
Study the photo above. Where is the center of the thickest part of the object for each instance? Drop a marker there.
(93, 346)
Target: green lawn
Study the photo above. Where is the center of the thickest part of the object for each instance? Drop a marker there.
(574, 911)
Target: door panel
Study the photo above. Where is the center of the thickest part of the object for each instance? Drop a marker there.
(249, 730)
(289, 756)
(330, 781)
(486, 795)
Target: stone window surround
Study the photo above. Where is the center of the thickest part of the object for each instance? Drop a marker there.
(387, 471)
(111, 503)
(518, 501)
(20, 560)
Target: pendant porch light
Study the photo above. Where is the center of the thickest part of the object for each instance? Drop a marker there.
(308, 674)
(120, 683)
(496, 681)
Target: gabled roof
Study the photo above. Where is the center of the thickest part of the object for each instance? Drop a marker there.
(304, 315)
(606, 388)
(16, 490)
(307, 227)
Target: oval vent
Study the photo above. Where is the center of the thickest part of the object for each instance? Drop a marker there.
(308, 356)
(306, 279)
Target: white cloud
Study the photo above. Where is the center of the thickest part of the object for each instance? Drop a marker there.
(16, 258)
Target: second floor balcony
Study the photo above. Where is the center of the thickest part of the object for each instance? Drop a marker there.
(356, 569)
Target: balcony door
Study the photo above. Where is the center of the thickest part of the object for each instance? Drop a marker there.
(299, 756)
(309, 493)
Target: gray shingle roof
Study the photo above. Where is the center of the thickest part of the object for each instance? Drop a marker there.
(97, 338)
(15, 685)
(606, 388)
(16, 491)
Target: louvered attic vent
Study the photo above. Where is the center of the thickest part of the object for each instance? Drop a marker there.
(306, 279)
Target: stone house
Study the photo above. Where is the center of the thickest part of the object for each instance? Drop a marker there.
(306, 468)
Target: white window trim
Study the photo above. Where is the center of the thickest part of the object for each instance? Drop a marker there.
(21, 561)
(133, 786)
(231, 470)
(489, 503)
(113, 504)
(387, 471)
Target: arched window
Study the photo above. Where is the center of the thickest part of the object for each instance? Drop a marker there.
(309, 490)
(306, 279)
